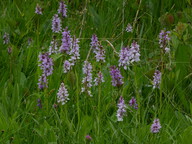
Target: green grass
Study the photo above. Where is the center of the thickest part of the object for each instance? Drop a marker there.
(22, 122)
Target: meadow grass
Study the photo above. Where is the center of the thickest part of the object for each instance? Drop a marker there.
(23, 122)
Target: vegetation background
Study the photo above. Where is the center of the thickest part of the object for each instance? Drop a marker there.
(22, 122)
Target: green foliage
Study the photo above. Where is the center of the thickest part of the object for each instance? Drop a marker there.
(22, 122)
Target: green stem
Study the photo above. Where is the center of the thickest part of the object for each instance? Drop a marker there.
(77, 100)
(137, 93)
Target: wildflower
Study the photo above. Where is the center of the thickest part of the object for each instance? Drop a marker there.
(75, 55)
(129, 55)
(38, 10)
(56, 24)
(99, 79)
(135, 52)
(129, 28)
(121, 112)
(62, 95)
(116, 76)
(124, 57)
(100, 54)
(66, 41)
(156, 126)
(9, 50)
(164, 40)
(53, 48)
(94, 43)
(39, 104)
(156, 79)
(46, 64)
(55, 106)
(42, 82)
(87, 80)
(66, 66)
(133, 103)
(6, 38)
(167, 50)
(88, 137)
(62, 9)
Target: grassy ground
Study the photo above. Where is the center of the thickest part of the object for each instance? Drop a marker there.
(22, 122)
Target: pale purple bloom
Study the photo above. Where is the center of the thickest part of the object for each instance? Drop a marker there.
(116, 76)
(6, 38)
(100, 53)
(88, 137)
(62, 95)
(135, 52)
(124, 57)
(39, 104)
(74, 53)
(62, 9)
(46, 64)
(56, 24)
(129, 28)
(38, 10)
(121, 112)
(99, 79)
(66, 41)
(87, 80)
(55, 106)
(129, 55)
(53, 48)
(157, 79)
(66, 66)
(97, 49)
(167, 50)
(42, 82)
(133, 103)
(94, 43)
(156, 126)
(9, 50)
(164, 39)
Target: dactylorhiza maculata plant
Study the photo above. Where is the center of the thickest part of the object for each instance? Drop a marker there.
(38, 10)
(94, 43)
(129, 55)
(62, 9)
(99, 79)
(56, 24)
(62, 95)
(53, 48)
(46, 65)
(74, 55)
(6, 38)
(39, 103)
(9, 50)
(156, 126)
(156, 79)
(121, 112)
(66, 41)
(129, 28)
(100, 54)
(133, 103)
(87, 80)
(88, 138)
(43, 82)
(116, 76)
(164, 40)
(98, 49)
